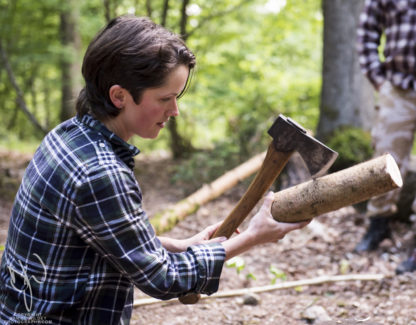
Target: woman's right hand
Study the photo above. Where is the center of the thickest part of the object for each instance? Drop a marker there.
(262, 229)
(265, 229)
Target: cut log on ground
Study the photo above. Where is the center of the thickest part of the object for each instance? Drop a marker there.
(337, 190)
(167, 219)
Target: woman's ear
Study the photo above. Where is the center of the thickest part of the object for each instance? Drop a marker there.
(117, 96)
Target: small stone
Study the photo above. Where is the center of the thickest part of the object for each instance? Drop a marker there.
(251, 299)
(316, 314)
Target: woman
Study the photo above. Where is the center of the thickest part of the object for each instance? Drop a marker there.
(79, 240)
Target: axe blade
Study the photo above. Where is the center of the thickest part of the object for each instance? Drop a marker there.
(289, 136)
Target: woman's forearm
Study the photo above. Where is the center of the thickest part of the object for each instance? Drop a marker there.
(173, 245)
(238, 244)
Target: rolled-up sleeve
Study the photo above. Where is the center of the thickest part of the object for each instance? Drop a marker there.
(110, 218)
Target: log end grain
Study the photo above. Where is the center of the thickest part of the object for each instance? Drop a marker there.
(393, 171)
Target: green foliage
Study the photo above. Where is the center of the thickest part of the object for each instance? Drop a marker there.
(237, 263)
(353, 146)
(10, 141)
(30, 36)
(206, 165)
(251, 72)
(277, 274)
(251, 65)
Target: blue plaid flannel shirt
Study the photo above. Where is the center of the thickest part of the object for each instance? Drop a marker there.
(397, 20)
(79, 239)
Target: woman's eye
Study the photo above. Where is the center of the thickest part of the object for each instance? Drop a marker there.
(165, 99)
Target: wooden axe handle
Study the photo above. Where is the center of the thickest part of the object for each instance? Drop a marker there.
(337, 190)
(273, 164)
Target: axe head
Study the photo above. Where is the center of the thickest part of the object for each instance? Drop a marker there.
(289, 136)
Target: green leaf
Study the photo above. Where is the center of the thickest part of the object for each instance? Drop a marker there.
(236, 262)
(2, 248)
(299, 289)
(277, 273)
(344, 266)
(251, 276)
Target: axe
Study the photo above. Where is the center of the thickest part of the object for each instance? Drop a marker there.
(288, 137)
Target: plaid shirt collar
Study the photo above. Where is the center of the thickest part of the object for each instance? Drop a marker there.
(124, 150)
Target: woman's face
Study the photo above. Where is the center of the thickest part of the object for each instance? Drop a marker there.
(157, 105)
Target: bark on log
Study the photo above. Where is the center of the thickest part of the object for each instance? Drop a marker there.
(334, 191)
(167, 219)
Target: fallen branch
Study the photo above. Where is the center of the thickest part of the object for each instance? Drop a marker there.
(278, 286)
(167, 219)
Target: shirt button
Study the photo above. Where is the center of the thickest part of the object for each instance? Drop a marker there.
(102, 145)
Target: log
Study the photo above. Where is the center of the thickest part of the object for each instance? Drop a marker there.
(334, 191)
(167, 219)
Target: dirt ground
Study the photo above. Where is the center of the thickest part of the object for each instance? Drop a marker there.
(324, 248)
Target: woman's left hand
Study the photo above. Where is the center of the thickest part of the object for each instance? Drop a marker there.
(204, 237)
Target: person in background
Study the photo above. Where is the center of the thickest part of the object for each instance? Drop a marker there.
(394, 78)
(79, 240)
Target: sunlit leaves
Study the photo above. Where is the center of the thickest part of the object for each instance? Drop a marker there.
(251, 63)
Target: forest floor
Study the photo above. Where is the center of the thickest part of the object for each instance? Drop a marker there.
(323, 248)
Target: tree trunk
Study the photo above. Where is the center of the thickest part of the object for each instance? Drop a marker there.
(184, 20)
(149, 9)
(346, 95)
(180, 146)
(165, 11)
(107, 10)
(70, 67)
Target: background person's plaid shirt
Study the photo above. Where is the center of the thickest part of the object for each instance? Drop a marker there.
(397, 19)
(79, 232)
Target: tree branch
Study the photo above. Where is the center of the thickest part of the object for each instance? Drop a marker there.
(279, 286)
(107, 10)
(20, 99)
(206, 19)
(149, 8)
(165, 12)
(184, 20)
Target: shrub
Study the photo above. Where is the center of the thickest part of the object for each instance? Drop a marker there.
(353, 146)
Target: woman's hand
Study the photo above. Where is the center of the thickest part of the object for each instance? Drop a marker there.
(261, 229)
(180, 245)
(267, 230)
(204, 237)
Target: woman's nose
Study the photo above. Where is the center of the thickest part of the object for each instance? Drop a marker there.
(174, 110)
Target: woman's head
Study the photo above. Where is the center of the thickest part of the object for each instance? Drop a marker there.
(132, 52)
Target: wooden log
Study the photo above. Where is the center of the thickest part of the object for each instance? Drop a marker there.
(167, 219)
(334, 191)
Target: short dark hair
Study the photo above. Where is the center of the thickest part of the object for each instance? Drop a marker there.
(133, 52)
